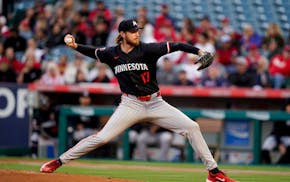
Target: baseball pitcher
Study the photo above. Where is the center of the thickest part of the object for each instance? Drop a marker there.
(134, 65)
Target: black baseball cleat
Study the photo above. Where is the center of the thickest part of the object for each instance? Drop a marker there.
(50, 166)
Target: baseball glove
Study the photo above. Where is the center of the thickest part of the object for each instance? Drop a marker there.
(205, 60)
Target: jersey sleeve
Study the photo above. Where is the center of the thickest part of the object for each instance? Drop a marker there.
(160, 49)
(102, 54)
(157, 49)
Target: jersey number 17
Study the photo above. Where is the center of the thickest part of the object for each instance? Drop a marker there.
(145, 77)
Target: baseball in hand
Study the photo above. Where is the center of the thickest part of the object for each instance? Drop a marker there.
(68, 40)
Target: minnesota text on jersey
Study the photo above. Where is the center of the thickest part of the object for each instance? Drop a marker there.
(130, 66)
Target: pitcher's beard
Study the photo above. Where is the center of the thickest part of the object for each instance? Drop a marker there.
(133, 43)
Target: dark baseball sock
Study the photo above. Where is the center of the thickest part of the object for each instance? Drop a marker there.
(59, 161)
(214, 171)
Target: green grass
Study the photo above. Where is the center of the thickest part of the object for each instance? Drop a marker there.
(168, 174)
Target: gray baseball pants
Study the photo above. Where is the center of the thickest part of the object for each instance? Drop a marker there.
(131, 111)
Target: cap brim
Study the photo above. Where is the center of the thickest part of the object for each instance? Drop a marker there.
(135, 29)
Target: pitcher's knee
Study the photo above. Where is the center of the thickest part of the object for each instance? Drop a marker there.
(194, 126)
(190, 128)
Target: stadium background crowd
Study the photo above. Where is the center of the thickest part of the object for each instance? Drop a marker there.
(32, 47)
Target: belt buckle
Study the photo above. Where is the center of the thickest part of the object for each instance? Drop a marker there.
(144, 98)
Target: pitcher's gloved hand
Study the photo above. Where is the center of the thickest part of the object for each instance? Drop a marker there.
(205, 60)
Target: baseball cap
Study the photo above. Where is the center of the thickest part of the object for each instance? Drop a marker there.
(128, 26)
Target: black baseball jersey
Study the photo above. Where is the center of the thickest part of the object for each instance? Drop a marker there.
(136, 70)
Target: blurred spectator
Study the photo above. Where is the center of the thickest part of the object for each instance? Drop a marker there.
(213, 77)
(14, 40)
(72, 69)
(30, 72)
(81, 27)
(142, 12)
(273, 41)
(225, 27)
(182, 79)
(226, 52)
(164, 29)
(166, 75)
(203, 43)
(52, 75)
(100, 11)
(4, 30)
(84, 125)
(25, 28)
(78, 34)
(249, 37)
(10, 59)
(48, 128)
(165, 32)
(188, 32)
(69, 7)
(155, 134)
(147, 33)
(7, 73)
(81, 132)
(59, 16)
(134, 132)
(164, 19)
(85, 8)
(38, 7)
(189, 66)
(33, 49)
(206, 26)
(34, 138)
(49, 13)
(100, 37)
(41, 38)
(102, 76)
(279, 67)
(40, 115)
(262, 76)
(30, 16)
(100, 73)
(279, 138)
(55, 37)
(1, 50)
(63, 64)
(118, 16)
(242, 77)
(254, 57)
(80, 77)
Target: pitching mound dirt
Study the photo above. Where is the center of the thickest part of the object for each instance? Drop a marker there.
(32, 176)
